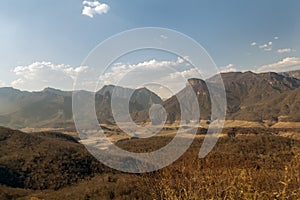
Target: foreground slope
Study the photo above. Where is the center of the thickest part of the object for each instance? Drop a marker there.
(256, 164)
(43, 160)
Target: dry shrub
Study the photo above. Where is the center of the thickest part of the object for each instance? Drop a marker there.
(192, 178)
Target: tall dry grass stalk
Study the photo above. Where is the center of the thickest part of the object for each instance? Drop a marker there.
(192, 180)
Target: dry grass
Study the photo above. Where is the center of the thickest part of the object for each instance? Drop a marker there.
(286, 125)
(211, 179)
(232, 183)
(250, 166)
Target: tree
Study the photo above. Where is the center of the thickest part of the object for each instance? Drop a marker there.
(231, 133)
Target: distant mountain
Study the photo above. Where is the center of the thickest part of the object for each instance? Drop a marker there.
(11, 99)
(294, 74)
(57, 92)
(140, 99)
(172, 105)
(250, 97)
(53, 108)
(256, 97)
(35, 109)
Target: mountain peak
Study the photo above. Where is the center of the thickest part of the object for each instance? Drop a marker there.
(8, 89)
(50, 90)
(195, 81)
(249, 72)
(11, 91)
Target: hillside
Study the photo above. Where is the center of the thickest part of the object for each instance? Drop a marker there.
(294, 74)
(257, 97)
(51, 165)
(35, 109)
(43, 160)
(250, 97)
(141, 99)
(172, 105)
(53, 108)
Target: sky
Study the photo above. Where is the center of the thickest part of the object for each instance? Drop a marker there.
(44, 43)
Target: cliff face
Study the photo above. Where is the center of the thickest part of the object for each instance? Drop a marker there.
(195, 82)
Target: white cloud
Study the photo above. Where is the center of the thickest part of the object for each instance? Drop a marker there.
(120, 70)
(91, 3)
(190, 73)
(2, 83)
(286, 64)
(168, 73)
(43, 74)
(286, 50)
(92, 8)
(268, 49)
(228, 68)
(17, 82)
(263, 46)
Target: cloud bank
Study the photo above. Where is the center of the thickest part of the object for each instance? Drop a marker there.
(168, 73)
(2, 83)
(286, 64)
(43, 74)
(120, 70)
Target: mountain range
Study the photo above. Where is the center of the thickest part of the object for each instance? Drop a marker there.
(250, 97)
(294, 74)
(53, 108)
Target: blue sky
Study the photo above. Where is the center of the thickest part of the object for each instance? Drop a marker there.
(56, 33)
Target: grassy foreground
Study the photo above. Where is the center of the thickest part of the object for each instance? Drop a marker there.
(249, 166)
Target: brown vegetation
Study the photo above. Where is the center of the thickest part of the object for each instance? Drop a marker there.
(263, 165)
(249, 167)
